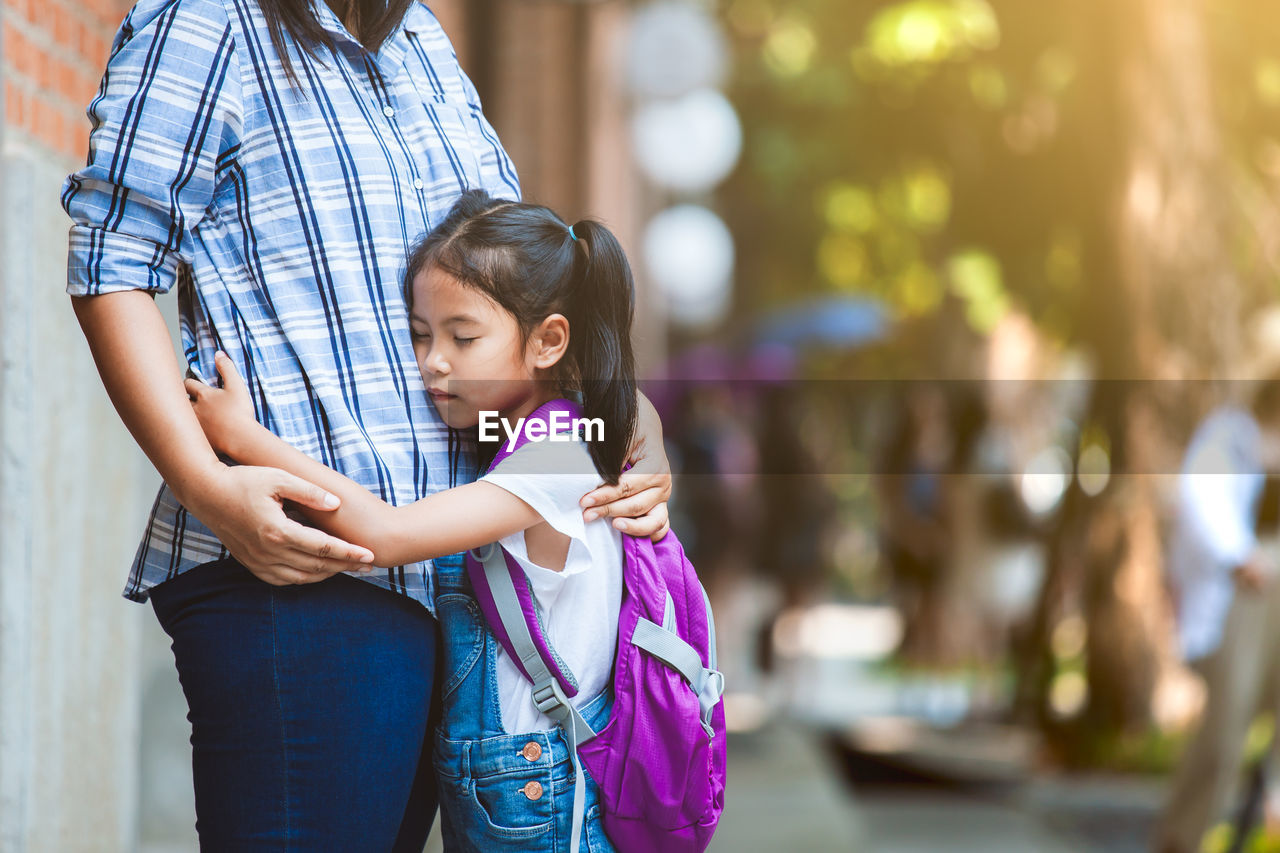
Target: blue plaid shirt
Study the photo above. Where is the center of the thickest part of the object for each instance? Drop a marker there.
(284, 217)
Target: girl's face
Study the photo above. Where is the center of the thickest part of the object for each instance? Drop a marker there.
(471, 353)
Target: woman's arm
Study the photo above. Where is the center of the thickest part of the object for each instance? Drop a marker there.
(147, 182)
(443, 523)
(242, 506)
(638, 503)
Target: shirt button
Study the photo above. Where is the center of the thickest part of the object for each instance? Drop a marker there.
(418, 184)
(388, 111)
(532, 751)
(532, 790)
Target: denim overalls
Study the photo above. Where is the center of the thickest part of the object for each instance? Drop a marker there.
(498, 791)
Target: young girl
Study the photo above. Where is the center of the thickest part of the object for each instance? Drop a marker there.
(510, 309)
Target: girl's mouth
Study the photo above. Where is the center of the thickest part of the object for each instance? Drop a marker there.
(437, 394)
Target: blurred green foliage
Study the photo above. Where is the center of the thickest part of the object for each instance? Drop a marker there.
(1218, 840)
(969, 151)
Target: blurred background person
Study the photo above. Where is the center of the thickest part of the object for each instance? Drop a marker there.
(915, 528)
(1228, 605)
(792, 543)
(924, 496)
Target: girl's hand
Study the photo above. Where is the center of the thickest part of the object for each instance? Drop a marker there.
(638, 504)
(225, 413)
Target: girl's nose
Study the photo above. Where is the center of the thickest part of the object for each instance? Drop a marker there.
(436, 363)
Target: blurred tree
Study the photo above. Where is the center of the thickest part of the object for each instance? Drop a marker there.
(1107, 167)
(1177, 295)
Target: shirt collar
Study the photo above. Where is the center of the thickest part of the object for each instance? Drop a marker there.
(332, 24)
(329, 21)
(391, 55)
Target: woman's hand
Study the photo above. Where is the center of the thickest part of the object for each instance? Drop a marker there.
(248, 503)
(638, 504)
(245, 506)
(226, 413)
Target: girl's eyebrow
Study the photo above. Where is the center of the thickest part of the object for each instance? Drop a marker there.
(456, 318)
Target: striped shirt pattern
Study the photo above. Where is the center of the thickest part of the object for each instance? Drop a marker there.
(283, 216)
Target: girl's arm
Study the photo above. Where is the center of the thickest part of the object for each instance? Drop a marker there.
(443, 523)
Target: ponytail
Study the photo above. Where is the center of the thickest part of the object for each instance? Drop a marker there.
(600, 316)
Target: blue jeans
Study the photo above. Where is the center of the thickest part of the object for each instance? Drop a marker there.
(309, 709)
(499, 791)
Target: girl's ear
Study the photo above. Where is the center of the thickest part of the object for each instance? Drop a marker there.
(549, 341)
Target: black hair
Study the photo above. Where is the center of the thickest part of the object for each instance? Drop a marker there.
(373, 20)
(526, 259)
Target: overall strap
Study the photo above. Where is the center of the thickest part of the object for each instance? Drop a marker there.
(548, 695)
(485, 592)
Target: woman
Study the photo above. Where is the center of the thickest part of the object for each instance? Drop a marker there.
(275, 159)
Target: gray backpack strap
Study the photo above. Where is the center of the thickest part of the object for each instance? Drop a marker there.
(550, 699)
(548, 695)
(663, 643)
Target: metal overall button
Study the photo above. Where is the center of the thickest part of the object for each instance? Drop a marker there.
(532, 751)
(532, 790)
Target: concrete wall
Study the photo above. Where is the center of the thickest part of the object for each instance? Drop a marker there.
(73, 495)
(73, 487)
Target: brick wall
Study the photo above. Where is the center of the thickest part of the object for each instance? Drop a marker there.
(53, 55)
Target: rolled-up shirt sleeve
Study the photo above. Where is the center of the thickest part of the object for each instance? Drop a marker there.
(165, 122)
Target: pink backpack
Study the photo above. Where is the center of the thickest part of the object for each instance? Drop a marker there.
(659, 761)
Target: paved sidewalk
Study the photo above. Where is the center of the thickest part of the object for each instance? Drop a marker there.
(928, 823)
(785, 795)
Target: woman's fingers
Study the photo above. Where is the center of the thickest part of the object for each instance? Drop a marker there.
(281, 574)
(316, 544)
(293, 566)
(194, 388)
(630, 483)
(288, 566)
(653, 524)
(639, 504)
(300, 491)
(309, 563)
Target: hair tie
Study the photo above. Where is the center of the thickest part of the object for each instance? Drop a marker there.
(571, 234)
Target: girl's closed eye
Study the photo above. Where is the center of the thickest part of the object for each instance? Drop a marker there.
(464, 341)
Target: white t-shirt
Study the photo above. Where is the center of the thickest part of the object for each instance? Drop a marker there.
(579, 604)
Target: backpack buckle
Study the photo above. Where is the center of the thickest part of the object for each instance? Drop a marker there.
(548, 697)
